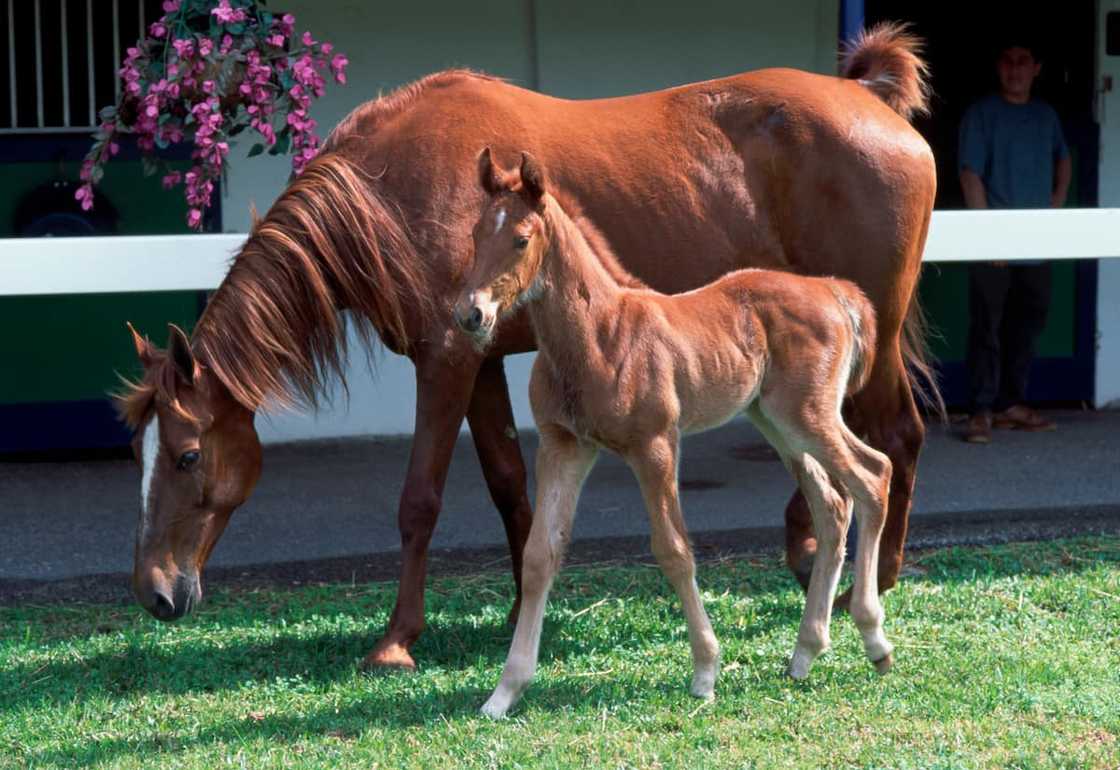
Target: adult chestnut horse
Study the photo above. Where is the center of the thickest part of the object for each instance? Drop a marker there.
(775, 168)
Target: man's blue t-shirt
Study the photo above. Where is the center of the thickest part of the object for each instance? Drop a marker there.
(1012, 148)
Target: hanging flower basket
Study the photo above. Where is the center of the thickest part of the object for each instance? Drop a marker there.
(206, 72)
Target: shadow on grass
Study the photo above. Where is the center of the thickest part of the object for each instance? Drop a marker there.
(149, 664)
(155, 665)
(390, 710)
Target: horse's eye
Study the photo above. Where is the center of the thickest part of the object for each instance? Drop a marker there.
(187, 460)
(520, 242)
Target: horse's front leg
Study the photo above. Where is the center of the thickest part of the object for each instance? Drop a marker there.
(563, 463)
(443, 390)
(495, 439)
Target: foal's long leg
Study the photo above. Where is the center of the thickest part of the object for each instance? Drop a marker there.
(656, 469)
(443, 390)
(495, 439)
(831, 513)
(562, 465)
(869, 482)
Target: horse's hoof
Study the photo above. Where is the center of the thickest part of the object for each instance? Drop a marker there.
(494, 708)
(388, 657)
(802, 569)
(883, 664)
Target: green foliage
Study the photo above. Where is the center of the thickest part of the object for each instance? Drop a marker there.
(1006, 657)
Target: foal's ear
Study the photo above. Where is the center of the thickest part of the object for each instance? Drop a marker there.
(144, 349)
(179, 351)
(488, 176)
(532, 178)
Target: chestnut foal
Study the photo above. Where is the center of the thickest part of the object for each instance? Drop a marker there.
(627, 368)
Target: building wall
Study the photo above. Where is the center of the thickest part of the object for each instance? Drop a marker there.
(580, 49)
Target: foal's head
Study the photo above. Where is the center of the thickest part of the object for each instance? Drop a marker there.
(510, 241)
(199, 457)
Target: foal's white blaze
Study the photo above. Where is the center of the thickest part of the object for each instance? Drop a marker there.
(499, 219)
(149, 450)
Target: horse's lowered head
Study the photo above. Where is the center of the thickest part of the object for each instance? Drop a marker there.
(199, 457)
(510, 241)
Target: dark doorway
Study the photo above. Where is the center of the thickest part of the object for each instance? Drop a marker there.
(962, 39)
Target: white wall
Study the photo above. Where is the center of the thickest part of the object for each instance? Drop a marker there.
(584, 48)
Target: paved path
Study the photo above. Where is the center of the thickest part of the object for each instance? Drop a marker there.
(330, 499)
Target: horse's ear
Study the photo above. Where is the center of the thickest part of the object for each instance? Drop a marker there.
(532, 178)
(143, 348)
(180, 353)
(488, 176)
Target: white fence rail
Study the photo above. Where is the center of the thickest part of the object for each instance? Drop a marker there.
(31, 266)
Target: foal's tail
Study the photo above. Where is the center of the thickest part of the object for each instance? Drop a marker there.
(886, 60)
(861, 320)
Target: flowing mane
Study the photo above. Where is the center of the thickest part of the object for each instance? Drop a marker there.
(273, 331)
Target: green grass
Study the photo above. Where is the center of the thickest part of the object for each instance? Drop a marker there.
(1006, 657)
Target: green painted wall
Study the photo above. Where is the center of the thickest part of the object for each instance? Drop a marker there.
(70, 348)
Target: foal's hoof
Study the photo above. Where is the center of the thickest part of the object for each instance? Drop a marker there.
(883, 664)
(388, 656)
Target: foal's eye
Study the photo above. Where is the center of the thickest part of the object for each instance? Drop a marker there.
(520, 242)
(187, 460)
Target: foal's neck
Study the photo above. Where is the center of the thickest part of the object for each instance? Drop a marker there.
(580, 294)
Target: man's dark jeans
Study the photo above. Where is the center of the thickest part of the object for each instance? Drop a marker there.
(1008, 306)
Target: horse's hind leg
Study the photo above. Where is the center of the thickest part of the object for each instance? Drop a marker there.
(845, 475)
(831, 516)
(801, 449)
(562, 465)
(656, 469)
(885, 413)
(495, 439)
(869, 482)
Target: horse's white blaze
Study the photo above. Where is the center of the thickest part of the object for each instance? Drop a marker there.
(499, 219)
(149, 450)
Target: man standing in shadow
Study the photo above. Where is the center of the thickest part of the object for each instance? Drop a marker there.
(1012, 155)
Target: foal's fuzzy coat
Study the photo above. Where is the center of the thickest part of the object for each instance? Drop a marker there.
(633, 370)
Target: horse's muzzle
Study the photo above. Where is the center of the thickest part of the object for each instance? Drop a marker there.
(170, 603)
(471, 322)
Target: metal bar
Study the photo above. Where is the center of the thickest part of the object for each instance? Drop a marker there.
(12, 58)
(65, 67)
(38, 68)
(116, 51)
(143, 32)
(89, 63)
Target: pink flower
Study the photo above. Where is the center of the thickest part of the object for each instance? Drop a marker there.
(338, 66)
(84, 194)
(183, 47)
(170, 6)
(227, 44)
(194, 219)
(172, 179)
(158, 30)
(205, 46)
(227, 15)
(276, 40)
(307, 39)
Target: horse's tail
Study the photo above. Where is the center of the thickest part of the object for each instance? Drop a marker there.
(861, 321)
(886, 60)
(919, 360)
